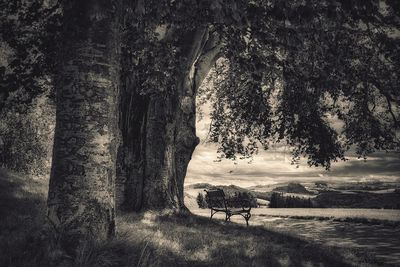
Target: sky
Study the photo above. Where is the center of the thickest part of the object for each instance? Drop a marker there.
(274, 166)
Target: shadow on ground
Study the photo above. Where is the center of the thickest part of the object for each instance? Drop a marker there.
(197, 241)
(22, 211)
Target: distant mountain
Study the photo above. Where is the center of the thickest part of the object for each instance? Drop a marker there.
(292, 188)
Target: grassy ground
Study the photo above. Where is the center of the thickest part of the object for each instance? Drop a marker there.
(22, 213)
(148, 239)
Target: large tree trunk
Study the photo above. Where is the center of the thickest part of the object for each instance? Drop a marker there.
(81, 191)
(159, 134)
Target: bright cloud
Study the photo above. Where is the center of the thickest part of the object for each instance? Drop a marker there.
(274, 166)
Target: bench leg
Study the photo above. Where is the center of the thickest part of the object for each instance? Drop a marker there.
(247, 218)
(212, 214)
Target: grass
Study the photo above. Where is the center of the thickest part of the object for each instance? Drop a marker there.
(151, 239)
(369, 221)
(367, 214)
(22, 213)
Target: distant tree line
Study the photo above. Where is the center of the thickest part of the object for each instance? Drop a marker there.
(278, 200)
(235, 201)
(364, 200)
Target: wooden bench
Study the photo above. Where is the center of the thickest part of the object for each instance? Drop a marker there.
(217, 202)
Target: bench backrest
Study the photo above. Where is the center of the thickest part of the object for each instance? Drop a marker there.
(215, 198)
(240, 200)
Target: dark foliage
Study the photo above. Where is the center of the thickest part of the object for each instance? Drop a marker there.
(296, 67)
(201, 201)
(242, 199)
(278, 200)
(234, 199)
(29, 29)
(358, 200)
(289, 69)
(26, 138)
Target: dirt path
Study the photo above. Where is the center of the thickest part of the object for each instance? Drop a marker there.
(383, 242)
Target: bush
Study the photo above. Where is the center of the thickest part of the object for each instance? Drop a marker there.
(26, 137)
(201, 201)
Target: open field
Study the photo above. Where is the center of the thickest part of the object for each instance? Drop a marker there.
(338, 195)
(191, 193)
(374, 231)
(372, 214)
(377, 238)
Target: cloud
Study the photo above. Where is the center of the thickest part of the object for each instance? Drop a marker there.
(270, 167)
(274, 165)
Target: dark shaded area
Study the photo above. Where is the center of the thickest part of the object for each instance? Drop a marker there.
(22, 213)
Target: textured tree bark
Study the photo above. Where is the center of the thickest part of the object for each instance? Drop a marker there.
(158, 141)
(186, 140)
(81, 191)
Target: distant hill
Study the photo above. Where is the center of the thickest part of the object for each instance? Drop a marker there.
(200, 186)
(292, 188)
(329, 197)
(227, 189)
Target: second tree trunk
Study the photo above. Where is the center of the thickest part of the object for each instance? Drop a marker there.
(159, 134)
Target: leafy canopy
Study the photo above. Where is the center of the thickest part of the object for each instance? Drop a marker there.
(320, 76)
(28, 29)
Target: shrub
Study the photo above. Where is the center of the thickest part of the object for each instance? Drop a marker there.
(201, 201)
(26, 137)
